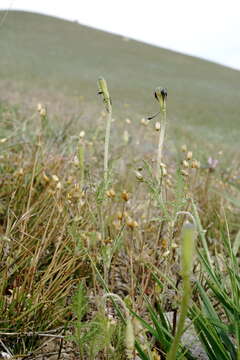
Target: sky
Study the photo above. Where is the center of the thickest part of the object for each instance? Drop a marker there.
(209, 29)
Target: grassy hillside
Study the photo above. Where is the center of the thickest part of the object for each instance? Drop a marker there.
(82, 222)
(62, 57)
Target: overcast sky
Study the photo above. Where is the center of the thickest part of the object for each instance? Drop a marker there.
(206, 28)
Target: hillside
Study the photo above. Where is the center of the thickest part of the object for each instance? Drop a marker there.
(49, 54)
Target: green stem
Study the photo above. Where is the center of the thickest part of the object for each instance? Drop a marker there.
(187, 262)
(106, 147)
(163, 115)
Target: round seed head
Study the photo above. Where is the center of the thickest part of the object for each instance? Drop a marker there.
(125, 195)
(111, 193)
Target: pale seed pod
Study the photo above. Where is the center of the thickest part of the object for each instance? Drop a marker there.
(157, 126)
(184, 173)
(82, 134)
(195, 164)
(55, 178)
(76, 161)
(163, 169)
(185, 164)
(189, 155)
(184, 148)
(144, 121)
(43, 112)
(59, 186)
(138, 175)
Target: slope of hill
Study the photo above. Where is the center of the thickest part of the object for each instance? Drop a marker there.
(44, 52)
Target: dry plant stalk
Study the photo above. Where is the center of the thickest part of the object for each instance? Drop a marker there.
(103, 90)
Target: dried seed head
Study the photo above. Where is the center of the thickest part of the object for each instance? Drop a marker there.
(144, 121)
(43, 112)
(119, 215)
(76, 161)
(131, 223)
(160, 94)
(185, 164)
(184, 148)
(81, 134)
(125, 195)
(111, 193)
(184, 173)
(138, 175)
(163, 169)
(169, 183)
(166, 253)
(39, 107)
(59, 186)
(45, 177)
(189, 155)
(157, 126)
(195, 164)
(55, 178)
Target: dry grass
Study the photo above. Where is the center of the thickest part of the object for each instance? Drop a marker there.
(60, 227)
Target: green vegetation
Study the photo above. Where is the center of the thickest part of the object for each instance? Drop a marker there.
(102, 255)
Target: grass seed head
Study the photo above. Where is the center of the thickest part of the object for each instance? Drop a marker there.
(196, 164)
(111, 193)
(185, 164)
(125, 195)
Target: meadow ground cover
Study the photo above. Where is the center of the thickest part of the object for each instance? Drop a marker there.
(100, 243)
